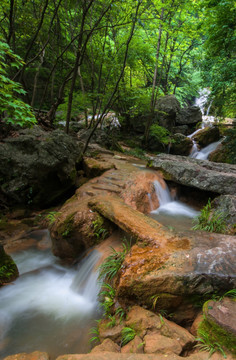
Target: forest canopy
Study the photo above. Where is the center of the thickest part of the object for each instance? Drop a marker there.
(67, 57)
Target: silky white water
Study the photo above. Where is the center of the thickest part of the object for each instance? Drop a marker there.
(49, 307)
(172, 212)
(206, 151)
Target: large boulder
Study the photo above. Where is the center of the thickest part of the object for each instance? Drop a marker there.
(181, 145)
(204, 175)
(167, 108)
(8, 268)
(184, 268)
(207, 136)
(189, 116)
(37, 167)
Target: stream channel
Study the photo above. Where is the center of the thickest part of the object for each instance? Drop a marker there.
(51, 307)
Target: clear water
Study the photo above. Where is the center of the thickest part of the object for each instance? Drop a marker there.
(171, 212)
(49, 307)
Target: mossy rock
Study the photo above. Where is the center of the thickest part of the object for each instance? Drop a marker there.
(218, 325)
(8, 269)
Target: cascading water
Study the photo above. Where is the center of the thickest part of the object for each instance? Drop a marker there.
(49, 307)
(171, 210)
(207, 120)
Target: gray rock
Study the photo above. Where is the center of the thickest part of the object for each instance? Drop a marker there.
(201, 174)
(207, 136)
(167, 108)
(181, 145)
(189, 116)
(37, 167)
(181, 129)
(226, 204)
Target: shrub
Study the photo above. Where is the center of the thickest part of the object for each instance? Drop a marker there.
(12, 109)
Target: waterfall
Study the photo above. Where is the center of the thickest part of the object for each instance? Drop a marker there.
(205, 152)
(49, 306)
(170, 206)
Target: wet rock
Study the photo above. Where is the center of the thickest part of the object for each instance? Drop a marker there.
(200, 174)
(167, 108)
(207, 136)
(189, 116)
(134, 346)
(8, 268)
(93, 167)
(183, 267)
(106, 345)
(131, 221)
(76, 225)
(155, 344)
(36, 355)
(181, 145)
(37, 167)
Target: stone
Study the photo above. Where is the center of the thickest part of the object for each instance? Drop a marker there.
(223, 314)
(76, 224)
(131, 221)
(181, 129)
(106, 345)
(166, 109)
(129, 356)
(134, 346)
(189, 116)
(174, 331)
(36, 355)
(207, 136)
(145, 322)
(180, 145)
(142, 320)
(196, 323)
(155, 343)
(112, 333)
(200, 174)
(226, 204)
(37, 167)
(183, 267)
(93, 167)
(8, 268)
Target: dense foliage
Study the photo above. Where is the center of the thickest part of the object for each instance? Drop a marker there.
(92, 56)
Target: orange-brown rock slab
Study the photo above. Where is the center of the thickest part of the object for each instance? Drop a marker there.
(36, 355)
(182, 267)
(131, 221)
(93, 167)
(156, 344)
(112, 333)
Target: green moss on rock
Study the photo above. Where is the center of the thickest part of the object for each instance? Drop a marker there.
(8, 269)
(66, 228)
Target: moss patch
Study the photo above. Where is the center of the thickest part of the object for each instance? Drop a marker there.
(66, 228)
(8, 269)
(217, 335)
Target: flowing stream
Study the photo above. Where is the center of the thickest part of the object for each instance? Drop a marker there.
(50, 307)
(172, 212)
(207, 120)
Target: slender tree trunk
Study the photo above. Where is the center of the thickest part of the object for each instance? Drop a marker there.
(109, 103)
(157, 58)
(36, 79)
